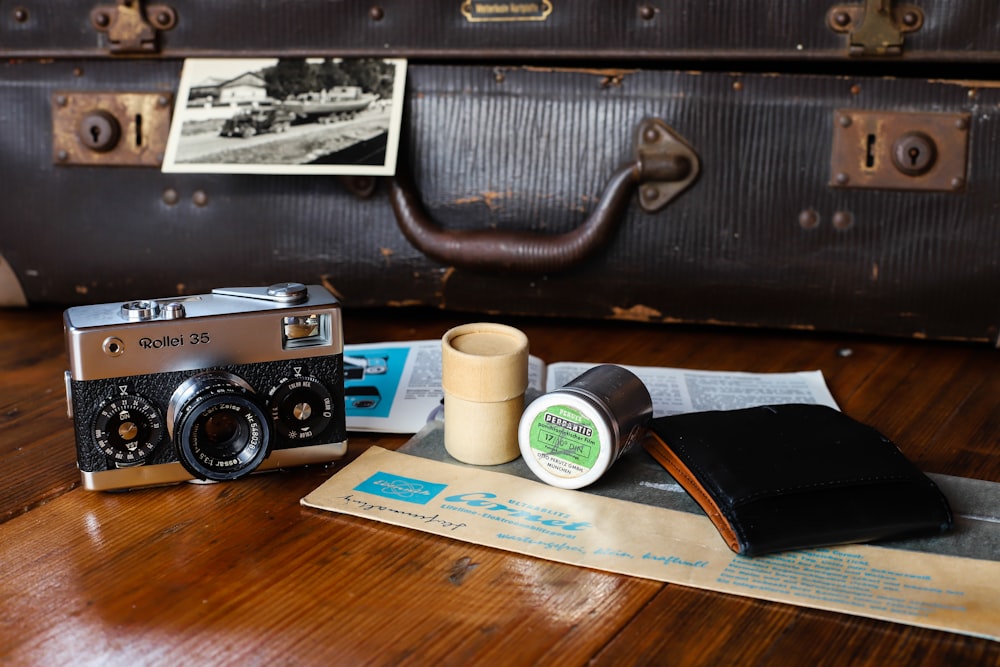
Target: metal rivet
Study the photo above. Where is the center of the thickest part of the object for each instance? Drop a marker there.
(911, 19)
(650, 193)
(62, 100)
(808, 218)
(376, 13)
(77, 71)
(163, 19)
(845, 121)
(843, 179)
(650, 135)
(171, 196)
(62, 156)
(20, 14)
(737, 85)
(957, 183)
(162, 100)
(200, 198)
(962, 124)
(102, 20)
(647, 13)
(842, 220)
(855, 89)
(843, 19)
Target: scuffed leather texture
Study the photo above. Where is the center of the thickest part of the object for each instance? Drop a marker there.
(797, 476)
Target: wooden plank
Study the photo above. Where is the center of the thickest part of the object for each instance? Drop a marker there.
(682, 626)
(36, 441)
(240, 572)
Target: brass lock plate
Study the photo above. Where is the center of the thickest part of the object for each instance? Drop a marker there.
(900, 150)
(110, 129)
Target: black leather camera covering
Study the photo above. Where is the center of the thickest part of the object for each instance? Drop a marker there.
(782, 477)
(88, 395)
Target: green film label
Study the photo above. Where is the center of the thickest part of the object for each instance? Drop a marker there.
(564, 441)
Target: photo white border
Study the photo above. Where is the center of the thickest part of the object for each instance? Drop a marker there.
(197, 70)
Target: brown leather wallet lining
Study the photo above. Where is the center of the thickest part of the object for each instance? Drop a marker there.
(660, 451)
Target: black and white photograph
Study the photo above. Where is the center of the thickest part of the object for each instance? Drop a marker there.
(287, 116)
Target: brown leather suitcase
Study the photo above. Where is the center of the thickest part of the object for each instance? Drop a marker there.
(827, 166)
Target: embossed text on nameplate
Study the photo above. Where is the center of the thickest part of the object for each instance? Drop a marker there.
(475, 11)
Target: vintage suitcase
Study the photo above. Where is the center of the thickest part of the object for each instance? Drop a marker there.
(811, 165)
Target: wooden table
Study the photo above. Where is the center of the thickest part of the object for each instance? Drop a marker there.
(240, 573)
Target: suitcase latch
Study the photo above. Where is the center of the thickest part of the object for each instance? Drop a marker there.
(900, 150)
(131, 26)
(110, 129)
(877, 27)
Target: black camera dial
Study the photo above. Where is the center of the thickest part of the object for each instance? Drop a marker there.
(301, 407)
(128, 428)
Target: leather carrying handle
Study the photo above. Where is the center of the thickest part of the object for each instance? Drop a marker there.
(665, 166)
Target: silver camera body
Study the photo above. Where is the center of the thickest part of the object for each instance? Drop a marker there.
(209, 387)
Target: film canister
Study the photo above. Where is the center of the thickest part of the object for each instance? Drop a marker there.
(484, 373)
(569, 437)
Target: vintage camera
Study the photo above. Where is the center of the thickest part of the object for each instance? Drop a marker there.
(207, 387)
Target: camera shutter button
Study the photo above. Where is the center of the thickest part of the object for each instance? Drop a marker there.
(174, 311)
(140, 311)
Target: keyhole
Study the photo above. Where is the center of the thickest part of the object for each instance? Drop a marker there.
(138, 129)
(870, 153)
(99, 131)
(914, 153)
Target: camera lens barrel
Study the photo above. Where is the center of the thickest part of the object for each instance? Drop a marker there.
(219, 429)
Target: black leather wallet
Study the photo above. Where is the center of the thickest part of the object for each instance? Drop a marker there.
(781, 477)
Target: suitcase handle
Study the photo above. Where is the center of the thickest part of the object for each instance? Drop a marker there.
(665, 166)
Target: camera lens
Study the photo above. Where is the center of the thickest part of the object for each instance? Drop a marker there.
(219, 430)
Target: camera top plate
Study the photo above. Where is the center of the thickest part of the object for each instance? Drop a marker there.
(227, 326)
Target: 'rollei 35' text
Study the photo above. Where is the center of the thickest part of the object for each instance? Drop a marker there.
(174, 341)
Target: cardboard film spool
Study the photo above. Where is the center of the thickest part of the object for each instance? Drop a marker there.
(484, 373)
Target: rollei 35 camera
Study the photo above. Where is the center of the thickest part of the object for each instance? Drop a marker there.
(207, 387)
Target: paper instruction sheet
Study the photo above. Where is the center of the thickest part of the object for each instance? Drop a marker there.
(528, 517)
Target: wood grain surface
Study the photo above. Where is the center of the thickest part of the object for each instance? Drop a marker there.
(240, 573)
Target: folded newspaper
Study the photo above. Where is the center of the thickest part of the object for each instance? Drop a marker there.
(396, 387)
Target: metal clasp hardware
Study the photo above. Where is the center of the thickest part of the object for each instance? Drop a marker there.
(892, 150)
(668, 165)
(105, 129)
(130, 27)
(877, 28)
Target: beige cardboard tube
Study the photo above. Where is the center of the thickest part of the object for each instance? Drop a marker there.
(484, 375)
